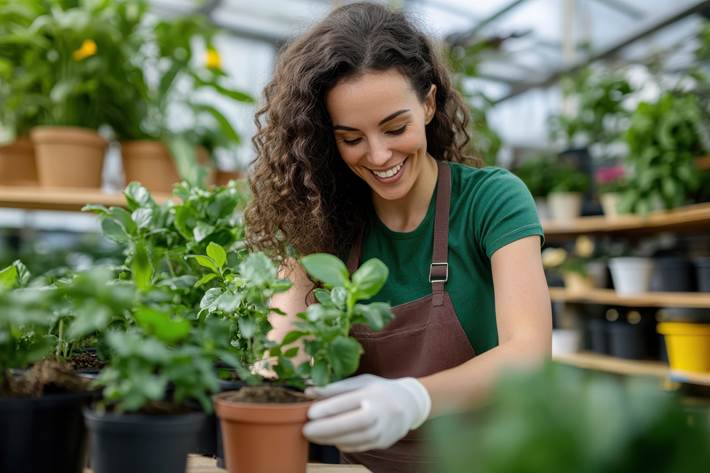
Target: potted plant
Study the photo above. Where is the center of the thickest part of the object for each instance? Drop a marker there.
(41, 395)
(568, 187)
(536, 173)
(156, 151)
(574, 265)
(81, 51)
(19, 111)
(254, 419)
(559, 418)
(611, 183)
(663, 141)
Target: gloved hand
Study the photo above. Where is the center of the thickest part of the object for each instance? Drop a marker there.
(366, 412)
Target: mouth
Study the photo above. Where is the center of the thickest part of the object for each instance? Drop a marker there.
(391, 174)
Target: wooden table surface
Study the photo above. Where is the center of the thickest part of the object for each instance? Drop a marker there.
(199, 464)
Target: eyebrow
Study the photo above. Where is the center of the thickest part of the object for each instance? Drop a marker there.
(389, 117)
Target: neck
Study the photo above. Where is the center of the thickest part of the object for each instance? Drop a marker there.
(405, 214)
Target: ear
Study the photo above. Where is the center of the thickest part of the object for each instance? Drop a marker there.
(430, 104)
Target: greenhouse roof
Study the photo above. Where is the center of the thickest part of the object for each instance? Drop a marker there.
(538, 39)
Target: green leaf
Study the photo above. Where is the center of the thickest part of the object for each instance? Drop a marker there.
(184, 221)
(291, 352)
(339, 296)
(141, 267)
(210, 298)
(202, 230)
(160, 325)
(206, 261)
(344, 356)
(137, 196)
(205, 279)
(323, 296)
(247, 327)
(124, 218)
(217, 253)
(376, 315)
(291, 337)
(319, 373)
(369, 278)
(97, 209)
(224, 125)
(114, 231)
(326, 268)
(258, 269)
(8, 277)
(229, 302)
(142, 217)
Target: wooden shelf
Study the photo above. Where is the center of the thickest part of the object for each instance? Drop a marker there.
(698, 300)
(609, 364)
(690, 218)
(38, 198)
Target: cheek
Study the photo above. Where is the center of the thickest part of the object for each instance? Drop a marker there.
(349, 154)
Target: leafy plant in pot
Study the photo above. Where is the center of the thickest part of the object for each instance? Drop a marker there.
(573, 265)
(568, 186)
(41, 406)
(155, 150)
(611, 183)
(80, 50)
(19, 111)
(255, 419)
(156, 389)
(536, 173)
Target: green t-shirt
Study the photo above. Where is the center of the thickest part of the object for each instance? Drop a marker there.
(490, 208)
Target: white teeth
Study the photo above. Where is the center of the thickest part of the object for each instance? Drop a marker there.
(389, 173)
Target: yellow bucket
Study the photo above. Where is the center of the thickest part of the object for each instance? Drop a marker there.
(688, 345)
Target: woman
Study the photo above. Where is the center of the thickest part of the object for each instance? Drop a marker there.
(360, 153)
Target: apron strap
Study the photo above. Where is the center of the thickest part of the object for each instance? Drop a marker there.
(439, 269)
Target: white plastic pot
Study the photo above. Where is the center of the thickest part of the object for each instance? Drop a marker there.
(565, 341)
(610, 204)
(565, 206)
(631, 275)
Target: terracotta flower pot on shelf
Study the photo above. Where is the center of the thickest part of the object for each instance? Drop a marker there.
(150, 163)
(17, 163)
(262, 437)
(69, 156)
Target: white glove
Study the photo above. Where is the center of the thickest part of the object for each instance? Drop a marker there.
(366, 412)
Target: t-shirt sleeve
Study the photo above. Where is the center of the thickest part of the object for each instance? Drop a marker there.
(504, 211)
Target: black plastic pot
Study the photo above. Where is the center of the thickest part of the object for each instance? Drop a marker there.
(43, 435)
(673, 274)
(702, 268)
(122, 443)
(598, 336)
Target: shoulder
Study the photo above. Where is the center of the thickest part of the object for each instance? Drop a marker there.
(480, 184)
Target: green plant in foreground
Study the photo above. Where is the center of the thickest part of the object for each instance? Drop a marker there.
(560, 419)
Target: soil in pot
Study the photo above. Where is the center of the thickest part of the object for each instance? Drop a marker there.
(86, 361)
(256, 418)
(47, 432)
(138, 443)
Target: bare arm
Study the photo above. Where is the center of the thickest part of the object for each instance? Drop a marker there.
(291, 302)
(524, 321)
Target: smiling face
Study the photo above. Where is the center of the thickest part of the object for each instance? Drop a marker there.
(379, 125)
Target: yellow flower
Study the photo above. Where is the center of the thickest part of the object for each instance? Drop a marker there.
(213, 60)
(584, 246)
(87, 49)
(553, 257)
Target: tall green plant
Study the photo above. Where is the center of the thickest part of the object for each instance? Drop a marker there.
(663, 142)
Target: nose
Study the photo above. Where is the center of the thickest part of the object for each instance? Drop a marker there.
(379, 152)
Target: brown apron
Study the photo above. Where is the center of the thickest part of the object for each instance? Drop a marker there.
(425, 337)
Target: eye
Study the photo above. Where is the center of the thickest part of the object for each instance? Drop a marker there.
(398, 131)
(352, 142)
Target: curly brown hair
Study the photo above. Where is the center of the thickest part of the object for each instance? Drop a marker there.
(303, 193)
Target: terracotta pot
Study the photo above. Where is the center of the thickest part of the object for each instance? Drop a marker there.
(222, 178)
(68, 156)
(565, 206)
(150, 163)
(17, 163)
(263, 438)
